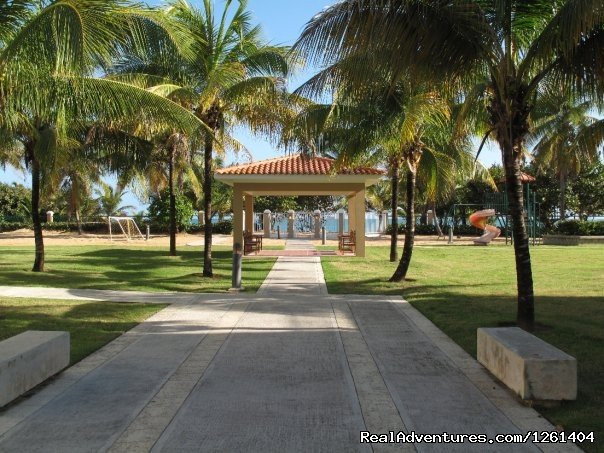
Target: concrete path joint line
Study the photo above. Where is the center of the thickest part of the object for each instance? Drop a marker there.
(379, 411)
(525, 418)
(147, 427)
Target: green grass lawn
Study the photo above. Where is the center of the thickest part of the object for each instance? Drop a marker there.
(128, 268)
(91, 324)
(462, 288)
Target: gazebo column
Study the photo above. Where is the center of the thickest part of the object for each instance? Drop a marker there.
(351, 214)
(237, 215)
(249, 213)
(359, 222)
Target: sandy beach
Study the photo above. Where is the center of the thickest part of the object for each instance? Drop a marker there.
(25, 237)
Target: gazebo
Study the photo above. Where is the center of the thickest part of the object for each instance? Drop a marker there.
(298, 175)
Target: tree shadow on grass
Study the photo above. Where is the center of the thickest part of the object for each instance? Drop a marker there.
(378, 285)
(131, 269)
(90, 324)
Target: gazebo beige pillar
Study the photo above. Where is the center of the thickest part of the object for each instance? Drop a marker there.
(351, 213)
(249, 213)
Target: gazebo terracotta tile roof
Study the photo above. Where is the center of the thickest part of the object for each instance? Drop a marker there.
(524, 178)
(296, 165)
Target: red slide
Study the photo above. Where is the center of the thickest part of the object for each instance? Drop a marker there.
(479, 220)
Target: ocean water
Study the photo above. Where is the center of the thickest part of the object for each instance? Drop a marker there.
(372, 223)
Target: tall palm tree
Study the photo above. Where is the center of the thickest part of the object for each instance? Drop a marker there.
(431, 156)
(559, 137)
(110, 200)
(48, 85)
(226, 73)
(77, 180)
(238, 79)
(509, 48)
(176, 146)
(398, 123)
(378, 196)
(348, 124)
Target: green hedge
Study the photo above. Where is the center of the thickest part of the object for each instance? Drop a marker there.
(12, 226)
(224, 227)
(579, 228)
(430, 230)
(88, 227)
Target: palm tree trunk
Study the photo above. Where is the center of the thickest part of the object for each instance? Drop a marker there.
(35, 212)
(394, 206)
(172, 204)
(78, 221)
(562, 199)
(436, 221)
(75, 204)
(403, 266)
(525, 316)
(207, 207)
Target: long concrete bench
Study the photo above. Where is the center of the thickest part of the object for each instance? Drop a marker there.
(532, 368)
(30, 358)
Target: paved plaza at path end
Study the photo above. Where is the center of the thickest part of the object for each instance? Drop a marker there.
(290, 368)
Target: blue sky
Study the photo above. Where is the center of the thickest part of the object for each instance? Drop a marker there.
(282, 23)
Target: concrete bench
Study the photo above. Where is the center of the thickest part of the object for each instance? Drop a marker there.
(30, 358)
(532, 368)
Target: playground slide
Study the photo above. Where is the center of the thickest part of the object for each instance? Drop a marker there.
(479, 220)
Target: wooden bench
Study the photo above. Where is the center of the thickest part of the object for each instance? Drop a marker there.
(347, 242)
(30, 358)
(251, 243)
(532, 368)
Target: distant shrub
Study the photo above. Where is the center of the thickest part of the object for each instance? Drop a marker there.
(427, 230)
(88, 227)
(579, 228)
(224, 227)
(13, 226)
(159, 211)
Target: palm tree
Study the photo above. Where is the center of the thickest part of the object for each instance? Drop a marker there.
(397, 123)
(225, 73)
(238, 79)
(48, 85)
(560, 137)
(178, 150)
(78, 178)
(110, 200)
(222, 194)
(430, 156)
(507, 48)
(346, 124)
(378, 196)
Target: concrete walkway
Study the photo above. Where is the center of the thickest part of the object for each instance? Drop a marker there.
(288, 369)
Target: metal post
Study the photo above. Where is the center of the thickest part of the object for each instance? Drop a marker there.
(451, 234)
(237, 258)
(148, 233)
(323, 235)
(278, 232)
